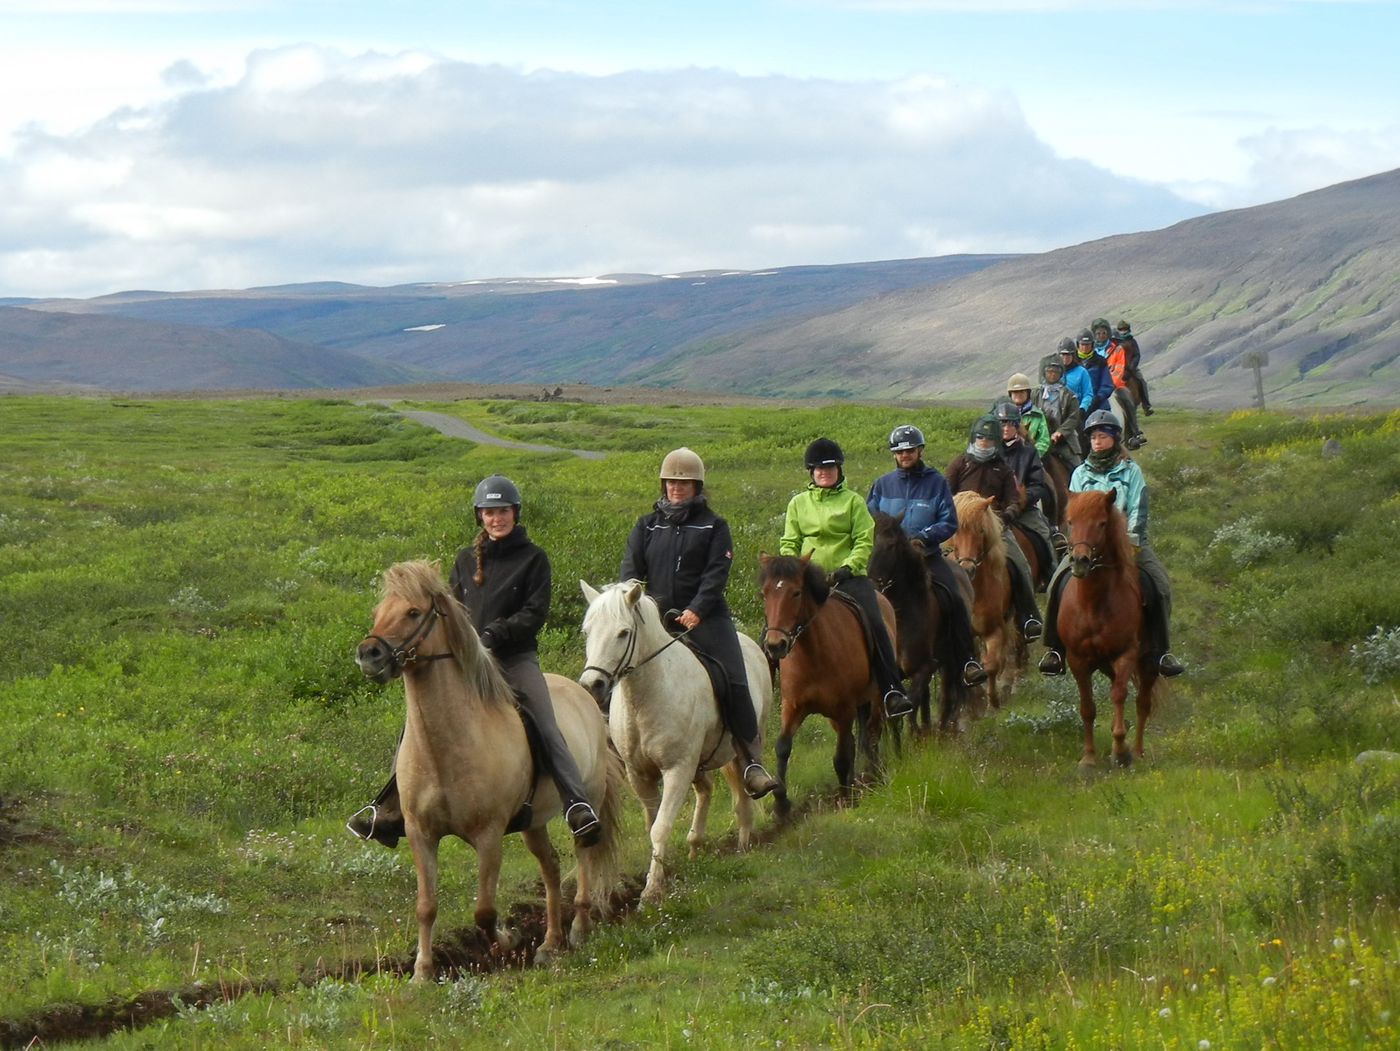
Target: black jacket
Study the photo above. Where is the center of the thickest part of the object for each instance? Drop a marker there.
(684, 560)
(1025, 462)
(509, 609)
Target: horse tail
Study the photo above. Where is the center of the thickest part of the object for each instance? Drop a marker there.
(603, 861)
(955, 693)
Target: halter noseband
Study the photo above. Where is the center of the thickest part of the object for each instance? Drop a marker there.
(1094, 559)
(406, 652)
(789, 635)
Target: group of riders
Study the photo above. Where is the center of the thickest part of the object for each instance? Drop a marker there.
(683, 551)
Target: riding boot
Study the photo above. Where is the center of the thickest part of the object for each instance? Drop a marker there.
(883, 663)
(961, 639)
(1159, 636)
(382, 819)
(1027, 613)
(758, 782)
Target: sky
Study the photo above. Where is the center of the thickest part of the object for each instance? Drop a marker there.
(186, 144)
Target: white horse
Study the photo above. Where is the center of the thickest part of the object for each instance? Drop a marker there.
(664, 718)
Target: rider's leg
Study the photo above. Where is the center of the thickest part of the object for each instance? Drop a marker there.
(1033, 520)
(1022, 588)
(382, 819)
(716, 636)
(1150, 564)
(1142, 386)
(957, 617)
(522, 671)
(1053, 660)
(886, 665)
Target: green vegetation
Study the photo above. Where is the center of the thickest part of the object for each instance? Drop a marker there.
(182, 587)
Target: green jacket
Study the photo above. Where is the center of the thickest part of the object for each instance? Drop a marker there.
(1038, 427)
(833, 524)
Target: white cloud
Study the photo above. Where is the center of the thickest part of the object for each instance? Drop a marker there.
(381, 168)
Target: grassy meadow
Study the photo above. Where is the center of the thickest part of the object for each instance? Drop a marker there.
(181, 587)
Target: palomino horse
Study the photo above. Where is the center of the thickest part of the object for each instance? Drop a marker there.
(664, 718)
(978, 547)
(924, 645)
(1101, 619)
(464, 766)
(824, 664)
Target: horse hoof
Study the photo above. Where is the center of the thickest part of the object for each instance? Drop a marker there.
(545, 955)
(507, 940)
(1124, 759)
(1088, 764)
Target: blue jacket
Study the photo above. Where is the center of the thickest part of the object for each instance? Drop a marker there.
(1125, 477)
(1080, 384)
(923, 495)
(1099, 381)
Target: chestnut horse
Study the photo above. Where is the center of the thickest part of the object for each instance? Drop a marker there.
(1101, 619)
(824, 664)
(464, 766)
(924, 645)
(979, 548)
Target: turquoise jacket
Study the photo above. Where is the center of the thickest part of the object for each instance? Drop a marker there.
(833, 524)
(1125, 478)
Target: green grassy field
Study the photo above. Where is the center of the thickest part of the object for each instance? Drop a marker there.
(181, 588)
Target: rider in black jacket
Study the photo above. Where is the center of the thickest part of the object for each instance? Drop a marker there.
(683, 551)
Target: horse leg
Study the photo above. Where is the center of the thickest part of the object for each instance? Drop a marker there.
(488, 872)
(704, 791)
(1118, 694)
(1147, 681)
(1084, 679)
(844, 760)
(537, 841)
(994, 644)
(782, 748)
(674, 789)
(743, 805)
(425, 860)
(922, 722)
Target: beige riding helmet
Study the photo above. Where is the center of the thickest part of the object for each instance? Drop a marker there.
(1018, 381)
(683, 465)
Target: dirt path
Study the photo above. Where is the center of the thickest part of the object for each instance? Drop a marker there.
(458, 428)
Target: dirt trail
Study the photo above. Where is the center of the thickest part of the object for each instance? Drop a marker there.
(458, 428)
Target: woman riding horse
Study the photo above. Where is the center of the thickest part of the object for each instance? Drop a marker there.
(503, 579)
(1110, 467)
(1024, 459)
(983, 470)
(683, 551)
(830, 521)
(918, 496)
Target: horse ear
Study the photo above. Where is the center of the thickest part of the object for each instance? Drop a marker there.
(1112, 497)
(899, 518)
(807, 558)
(634, 593)
(590, 593)
(764, 558)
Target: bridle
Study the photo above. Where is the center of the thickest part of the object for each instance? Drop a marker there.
(406, 652)
(789, 635)
(624, 666)
(1094, 559)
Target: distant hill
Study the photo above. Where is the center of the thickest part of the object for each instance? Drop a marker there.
(520, 330)
(42, 349)
(1311, 281)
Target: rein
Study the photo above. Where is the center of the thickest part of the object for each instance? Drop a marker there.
(406, 652)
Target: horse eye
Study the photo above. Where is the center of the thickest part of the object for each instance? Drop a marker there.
(414, 612)
(623, 633)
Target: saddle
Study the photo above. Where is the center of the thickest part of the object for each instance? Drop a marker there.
(865, 626)
(719, 681)
(1044, 555)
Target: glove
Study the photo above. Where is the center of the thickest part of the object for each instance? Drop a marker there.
(840, 576)
(489, 640)
(1008, 515)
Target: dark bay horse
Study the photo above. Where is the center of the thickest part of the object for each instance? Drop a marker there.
(980, 550)
(464, 767)
(1101, 620)
(823, 663)
(924, 645)
(1057, 473)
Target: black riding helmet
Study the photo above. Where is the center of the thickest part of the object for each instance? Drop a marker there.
(1007, 412)
(987, 427)
(906, 436)
(824, 453)
(496, 491)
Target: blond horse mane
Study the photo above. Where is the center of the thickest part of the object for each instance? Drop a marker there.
(420, 583)
(975, 515)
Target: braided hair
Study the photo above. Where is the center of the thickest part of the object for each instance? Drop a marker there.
(479, 553)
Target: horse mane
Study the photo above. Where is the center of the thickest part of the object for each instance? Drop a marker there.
(646, 605)
(984, 520)
(790, 567)
(1120, 548)
(890, 537)
(420, 583)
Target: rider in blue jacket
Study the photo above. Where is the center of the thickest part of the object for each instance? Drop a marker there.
(1100, 379)
(921, 494)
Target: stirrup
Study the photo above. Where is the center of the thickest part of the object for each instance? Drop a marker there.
(973, 674)
(897, 704)
(1031, 629)
(1051, 663)
(588, 829)
(368, 826)
(1168, 666)
(757, 788)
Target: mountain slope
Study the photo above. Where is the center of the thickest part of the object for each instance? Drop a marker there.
(1312, 281)
(125, 354)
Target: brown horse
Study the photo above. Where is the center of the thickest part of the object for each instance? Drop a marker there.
(1101, 619)
(924, 644)
(823, 662)
(980, 550)
(465, 769)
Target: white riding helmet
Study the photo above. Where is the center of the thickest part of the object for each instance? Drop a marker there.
(682, 465)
